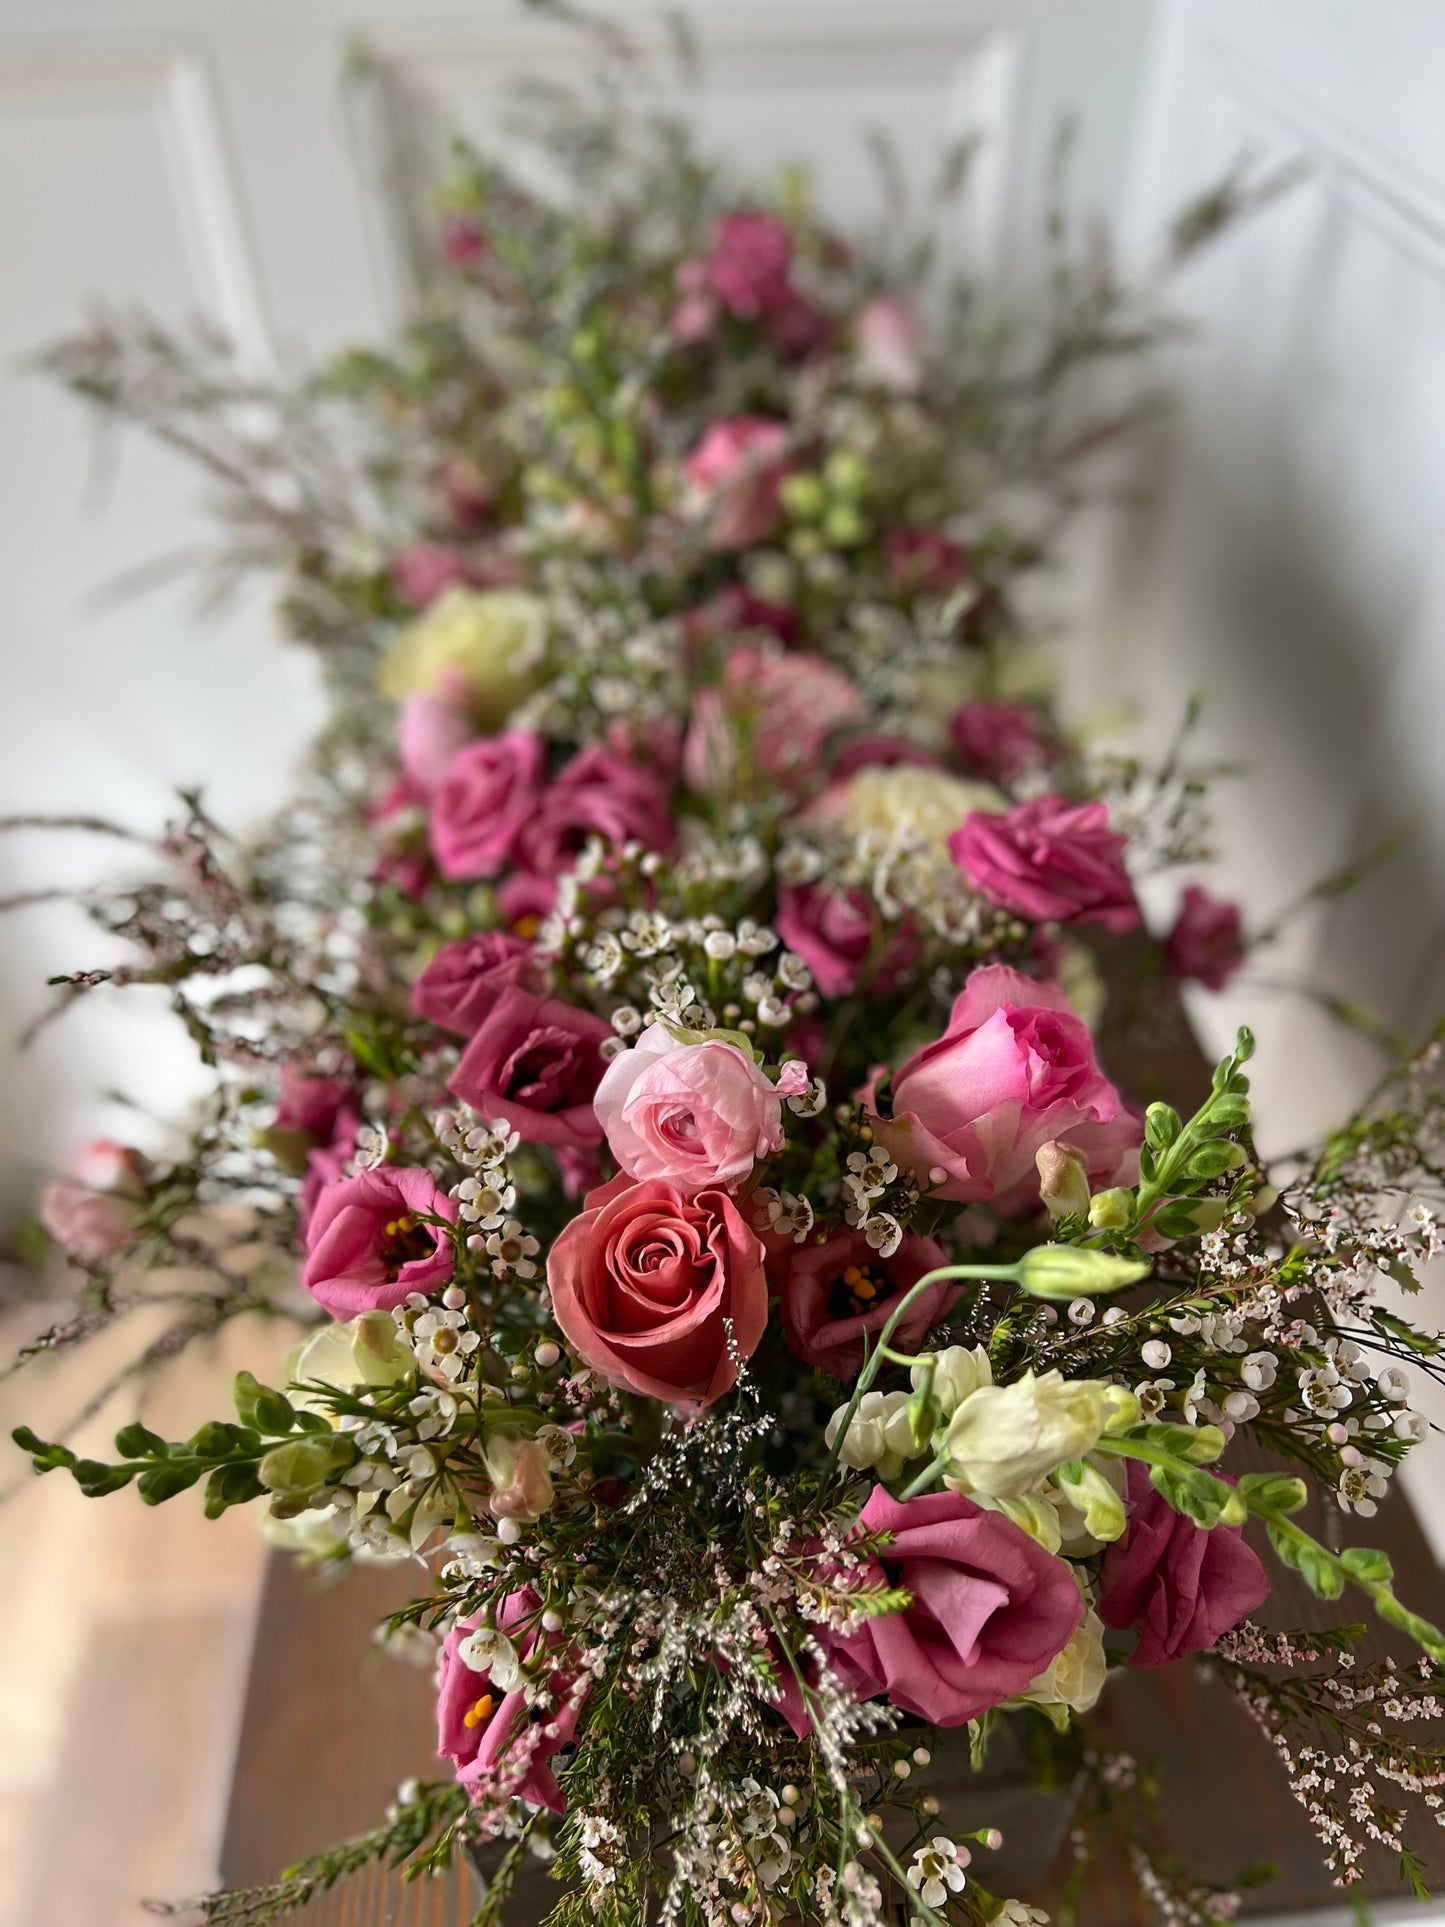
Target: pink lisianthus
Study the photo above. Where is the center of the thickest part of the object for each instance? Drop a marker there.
(325, 1163)
(491, 789)
(734, 476)
(775, 708)
(462, 982)
(889, 335)
(834, 932)
(309, 1104)
(880, 752)
(989, 1611)
(1014, 1070)
(924, 561)
(596, 794)
(93, 1210)
(1000, 741)
(696, 1115)
(647, 1281)
(368, 1243)
(1206, 942)
(486, 1728)
(403, 858)
(748, 264)
(831, 1294)
(429, 732)
(1177, 1585)
(421, 571)
(1048, 860)
(535, 1063)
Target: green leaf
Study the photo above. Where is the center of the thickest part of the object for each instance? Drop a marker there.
(1229, 1112)
(1212, 1160)
(96, 1479)
(231, 1485)
(1175, 1221)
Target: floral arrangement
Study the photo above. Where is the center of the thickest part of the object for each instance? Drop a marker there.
(661, 1035)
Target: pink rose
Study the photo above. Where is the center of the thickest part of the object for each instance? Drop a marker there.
(989, 1611)
(1000, 741)
(734, 475)
(464, 979)
(1179, 1586)
(1205, 943)
(490, 791)
(747, 268)
(644, 1281)
(880, 752)
(535, 1064)
(368, 1244)
(429, 732)
(489, 1734)
(924, 562)
(831, 1294)
(694, 1115)
(1051, 861)
(596, 794)
(834, 932)
(93, 1211)
(889, 333)
(772, 713)
(1014, 1070)
(421, 571)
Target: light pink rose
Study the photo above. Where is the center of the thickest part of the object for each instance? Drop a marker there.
(535, 1064)
(596, 794)
(734, 476)
(989, 1610)
(1000, 741)
(489, 793)
(695, 1115)
(93, 1211)
(498, 1749)
(889, 333)
(647, 1280)
(831, 1294)
(1049, 860)
(368, 1243)
(834, 932)
(1205, 943)
(1014, 1070)
(429, 732)
(770, 716)
(1179, 1586)
(464, 979)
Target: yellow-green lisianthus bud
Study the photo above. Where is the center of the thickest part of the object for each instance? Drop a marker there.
(366, 1350)
(1075, 1271)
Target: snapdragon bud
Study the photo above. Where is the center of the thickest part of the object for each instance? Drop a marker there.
(1111, 1210)
(1063, 1180)
(302, 1466)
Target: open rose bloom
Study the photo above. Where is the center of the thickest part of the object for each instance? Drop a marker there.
(692, 1077)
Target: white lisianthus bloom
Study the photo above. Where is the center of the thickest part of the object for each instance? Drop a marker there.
(366, 1350)
(879, 1438)
(905, 802)
(1004, 1440)
(316, 1533)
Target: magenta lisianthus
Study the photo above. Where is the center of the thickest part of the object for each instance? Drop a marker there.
(837, 933)
(535, 1063)
(1014, 1070)
(309, 1103)
(659, 1289)
(734, 476)
(696, 1115)
(327, 1161)
(1177, 1585)
(491, 789)
(369, 1242)
(487, 1729)
(1049, 860)
(93, 1209)
(829, 1295)
(880, 752)
(748, 265)
(597, 794)
(1000, 741)
(464, 979)
(1206, 943)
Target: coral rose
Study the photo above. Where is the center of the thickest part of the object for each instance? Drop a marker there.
(645, 1281)
(463, 981)
(1014, 1070)
(535, 1063)
(1051, 861)
(368, 1245)
(1179, 1586)
(697, 1114)
(491, 789)
(831, 1294)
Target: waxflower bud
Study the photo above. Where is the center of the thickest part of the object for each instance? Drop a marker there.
(1111, 1210)
(303, 1466)
(1072, 1271)
(1063, 1180)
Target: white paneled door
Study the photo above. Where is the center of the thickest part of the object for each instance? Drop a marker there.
(213, 157)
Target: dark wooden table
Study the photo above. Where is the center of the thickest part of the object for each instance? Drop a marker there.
(331, 1726)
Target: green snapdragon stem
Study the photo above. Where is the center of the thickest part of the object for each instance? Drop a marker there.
(872, 1364)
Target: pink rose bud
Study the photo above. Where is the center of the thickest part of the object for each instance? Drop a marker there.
(1050, 861)
(93, 1210)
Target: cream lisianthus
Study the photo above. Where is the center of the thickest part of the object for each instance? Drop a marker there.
(365, 1350)
(477, 648)
(1004, 1440)
(905, 802)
